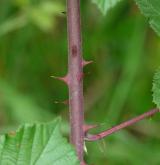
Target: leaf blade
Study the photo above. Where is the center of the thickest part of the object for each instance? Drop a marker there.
(36, 144)
(151, 9)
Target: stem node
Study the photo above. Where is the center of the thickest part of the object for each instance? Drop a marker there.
(90, 137)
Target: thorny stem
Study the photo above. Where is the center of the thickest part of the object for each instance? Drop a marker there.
(75, 79)
(120, 126)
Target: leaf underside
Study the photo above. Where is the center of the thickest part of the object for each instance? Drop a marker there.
(105, 5)
(151, 9)
(37, 144)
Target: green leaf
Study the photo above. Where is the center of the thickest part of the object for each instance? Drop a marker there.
(105, 5)
(37, 144)
(156, 88)
(151, 9)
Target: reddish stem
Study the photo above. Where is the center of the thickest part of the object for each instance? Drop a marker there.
(120, 126)
(75, 76)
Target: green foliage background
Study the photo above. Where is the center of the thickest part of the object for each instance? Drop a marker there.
(117, 86)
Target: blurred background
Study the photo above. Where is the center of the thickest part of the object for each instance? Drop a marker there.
(117, 86)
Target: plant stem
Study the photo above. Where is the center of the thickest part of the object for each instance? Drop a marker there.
(120, 126)
(75, 78)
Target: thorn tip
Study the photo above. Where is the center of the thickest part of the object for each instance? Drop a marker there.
(65, 102)
(86, 128)
(65, 79)
(84, 63)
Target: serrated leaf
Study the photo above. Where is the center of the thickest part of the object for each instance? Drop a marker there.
(105, 5)
(37, 144)
(151, 9)
(156, 88)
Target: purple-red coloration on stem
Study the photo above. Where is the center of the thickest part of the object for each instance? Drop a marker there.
(74, 51)
(75, 71)
(120, 126)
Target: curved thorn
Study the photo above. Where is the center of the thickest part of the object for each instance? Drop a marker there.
(84, 63)
(65, 79)
(86, 128)
(65, 102)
